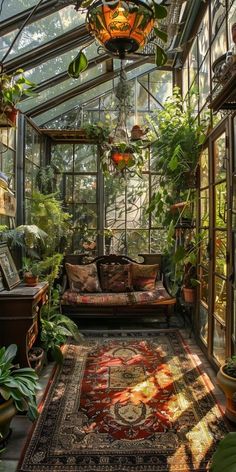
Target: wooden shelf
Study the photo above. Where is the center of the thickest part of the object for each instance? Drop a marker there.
(224, 94)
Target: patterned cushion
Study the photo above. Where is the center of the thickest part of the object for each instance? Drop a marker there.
(156, 297)
(143, 277)
(115, 277)
(83, 278)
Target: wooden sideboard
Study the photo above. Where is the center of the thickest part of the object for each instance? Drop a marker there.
(19, 317)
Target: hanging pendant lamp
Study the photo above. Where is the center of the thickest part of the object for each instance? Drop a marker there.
(122, 27)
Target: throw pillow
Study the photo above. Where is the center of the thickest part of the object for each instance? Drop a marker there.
(143, 277)
(83, 278)
(115, 277)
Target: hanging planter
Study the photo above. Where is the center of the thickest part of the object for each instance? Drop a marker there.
(121, 158)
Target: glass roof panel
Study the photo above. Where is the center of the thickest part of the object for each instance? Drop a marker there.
(62, 87)
(90, 94)
(42, 31)
(58, 64)
(69, 104)
(12, 7)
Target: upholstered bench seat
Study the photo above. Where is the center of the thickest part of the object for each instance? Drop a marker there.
(114, 286)
(71, 297)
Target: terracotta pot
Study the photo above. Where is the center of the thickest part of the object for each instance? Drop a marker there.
(7, 411)
(228, 385)
(189, 295)
(30, 280)
(12, 114)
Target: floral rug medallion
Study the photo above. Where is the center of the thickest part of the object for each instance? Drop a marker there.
(127, 404)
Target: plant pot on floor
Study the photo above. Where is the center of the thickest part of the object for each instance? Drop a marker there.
(7, 412)
(228, 385)
(189, 294)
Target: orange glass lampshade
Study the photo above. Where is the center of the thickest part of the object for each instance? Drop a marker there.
(119, 157)
(121, 29)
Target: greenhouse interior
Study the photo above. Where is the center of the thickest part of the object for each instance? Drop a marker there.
(117, 235)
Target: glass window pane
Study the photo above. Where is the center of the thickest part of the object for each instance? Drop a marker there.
(85, 217)
(220, 157)
(160, 84)
(234, 204)
(7, 137)
(85, 156)
(69, 104)
(218, 12)
(58, 64)
(232, 19)
(137, 242)
(219, 45)
(62, 87)
(158, 240)
(193, 64)
(220, 252)
(204, 208)
(41, 31)
(220, 205)
(219, 342)
(85, 188)
(62, 157)
(203, 321)
(7, 165)
(204, 248)
(11, 7)
(204, 286)
(32, 144)
(204, 81)
(220, 298)
(203, 37)
(204, 169)
(68, 191)
(185, 84)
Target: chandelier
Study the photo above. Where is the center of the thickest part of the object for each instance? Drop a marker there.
(120, 27)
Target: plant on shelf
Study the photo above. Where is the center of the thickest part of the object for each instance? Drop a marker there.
(31, 271)
(13, 87)
(226, 378)
(17, 390)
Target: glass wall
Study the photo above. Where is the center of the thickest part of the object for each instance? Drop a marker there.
(8, 168)
(33, 142)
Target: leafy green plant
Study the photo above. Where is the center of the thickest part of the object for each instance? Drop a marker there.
(31, 267)
(13, 87)
(47, 213)
(30, 238)
(18, 384)
(224, 458)
(56, 328)
(230, 367)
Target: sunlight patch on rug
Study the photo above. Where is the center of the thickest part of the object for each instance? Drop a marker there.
(127, 404)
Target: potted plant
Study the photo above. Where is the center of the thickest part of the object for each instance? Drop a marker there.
(31, 271)
(55, 328)
(17, 390)
(226, 378)
(224, 458)
(12, 89)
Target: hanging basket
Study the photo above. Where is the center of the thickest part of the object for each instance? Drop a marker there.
(121, 158)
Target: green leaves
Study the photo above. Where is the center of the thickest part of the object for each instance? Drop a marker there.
(225, 456)
(161, 34)
(160, 11)
(160, 56)
(78, 65)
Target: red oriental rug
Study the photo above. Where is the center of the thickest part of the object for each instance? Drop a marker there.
(127, 404)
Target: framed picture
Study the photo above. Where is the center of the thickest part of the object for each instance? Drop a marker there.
(8, 267)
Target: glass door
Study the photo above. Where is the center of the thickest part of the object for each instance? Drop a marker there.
(214, 261)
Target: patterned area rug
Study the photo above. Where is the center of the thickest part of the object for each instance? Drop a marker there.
(127, 403)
